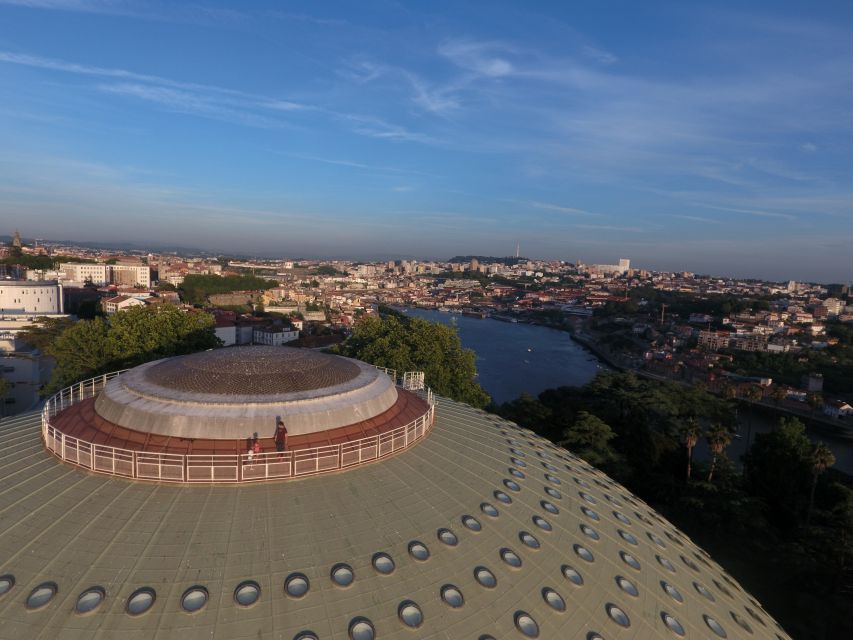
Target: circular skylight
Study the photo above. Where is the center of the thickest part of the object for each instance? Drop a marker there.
(296, 585)
(582, 482)
(589, 513)
(528, 539)
(587, 497)
(485, 577)
(448, 537)
(689, 563)
(342, 575)
(41, 595)
(512, 485)
(571, 574)
(383, 563)
(700, 588)
(743, 624)
(549, 466)
(526, 624)
(630, 560)
(628, 537)
(622, 518)
(518, 462)
(510, 557)
(89, 600)
(550, 508)
(361, 629)
(500, 495)
(418, 550)
(306, 635)
(472, 523)
(6, 583)
(618, 616)
(673, 624)
(489, 510)
(542, 523)
(627, 586)
(452, 596)
(672, 592)
(584, 553)
(247, 593)
(141, 601)
(518, 452)
(516, 473)
(554, 599)
(194, 599)
(666, 564)
(715, 626)
(589, 532)
(551, 491)
(553, 479)
(410, 613)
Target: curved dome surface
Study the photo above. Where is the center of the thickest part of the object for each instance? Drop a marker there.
(234, 392)
(483, 530)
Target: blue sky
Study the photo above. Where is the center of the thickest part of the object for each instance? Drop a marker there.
(711, 137)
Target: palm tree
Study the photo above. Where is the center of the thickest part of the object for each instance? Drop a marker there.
(822, 459)
(718, 438)
(690, 436)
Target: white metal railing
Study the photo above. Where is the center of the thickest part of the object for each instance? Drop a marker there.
(214, 468)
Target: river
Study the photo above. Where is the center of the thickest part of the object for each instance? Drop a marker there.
(516, 358)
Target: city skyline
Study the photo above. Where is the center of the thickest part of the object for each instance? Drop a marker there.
(713, 141)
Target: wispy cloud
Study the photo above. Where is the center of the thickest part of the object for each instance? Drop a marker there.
(696, 219)
(599, 55)
(609, 227)
(483, 58)
(562, 209)
(352, 164)
(750, 212)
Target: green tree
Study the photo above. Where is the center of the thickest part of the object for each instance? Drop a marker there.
(44, 332)
(589, 437)
(690, 437)
(822, 459)
(413, 344)
(718, 439)
(130, 337)
(779, 468)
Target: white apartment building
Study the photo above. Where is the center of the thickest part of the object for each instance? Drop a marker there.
(273, 336)
(103, 274)
(28, 297)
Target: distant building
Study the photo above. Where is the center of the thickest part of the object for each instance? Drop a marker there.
(25, 369)
(714, 340)
(119, 303)
(274, 336)
(812, 382)
(129, 275)
(30, 298)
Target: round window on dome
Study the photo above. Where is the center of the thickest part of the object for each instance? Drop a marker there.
(584, 553)
(628, 537)
(672, 592)
(553, 479)
(528, 539)
(666, 564)
(306, 635)
(542, 523)
(89, 600)
(518, 462)
(627, 586)
(472, 523)
(550, 508)
(141, 601)
(41, 595)
(500, 495)
(247, 593)
(489, 510)
(743, 624)
(419, 551)
(525, 623)
(589, 532)
(589, 513)
(551, 491)
(553, 599)
(7, 581)
(342, 574)
(588, 497)
(452, 596)
(511, 558)
(448, 537)
(672, 624)
(512, 485)
(194, 599)
(622, 518)
(715, 626)
(618, 616)
(572, 575)
(582, 482)
(296, 585)
(516, 473)
(485, 578)
(630, 560)
(550, 467)
(410, 614)
(361, 629)
(703, 591)
(383, 563)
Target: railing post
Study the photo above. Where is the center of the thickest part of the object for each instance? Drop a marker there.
(134, 463)
(62, 441)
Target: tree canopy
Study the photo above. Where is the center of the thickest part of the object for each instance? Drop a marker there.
(196, 288)
(130, 337)
(413, 344)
